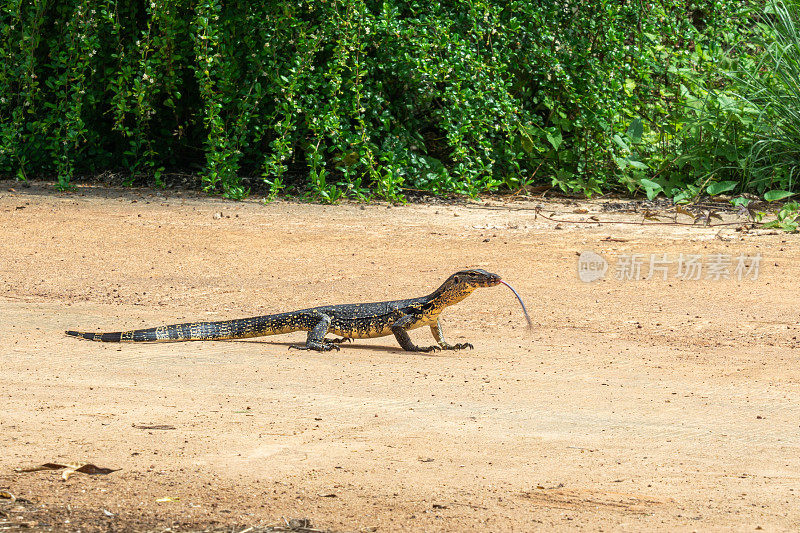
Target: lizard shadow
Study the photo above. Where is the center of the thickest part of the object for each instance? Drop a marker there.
(344, 346)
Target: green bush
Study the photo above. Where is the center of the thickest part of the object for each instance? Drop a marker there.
(358, 98)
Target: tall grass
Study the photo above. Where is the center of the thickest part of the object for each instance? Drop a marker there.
(772, 86)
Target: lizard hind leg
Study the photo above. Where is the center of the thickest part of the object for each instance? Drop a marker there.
(436, 329)
(316, 336)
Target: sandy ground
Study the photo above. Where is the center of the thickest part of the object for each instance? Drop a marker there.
(632, 405)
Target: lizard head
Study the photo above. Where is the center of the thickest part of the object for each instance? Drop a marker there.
(473, 278)
(462, 283)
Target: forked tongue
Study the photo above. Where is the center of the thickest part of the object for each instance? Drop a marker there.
(530, 324)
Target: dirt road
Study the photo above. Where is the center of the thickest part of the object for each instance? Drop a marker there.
(634, 404)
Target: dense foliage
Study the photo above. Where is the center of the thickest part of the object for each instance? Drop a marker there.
(363, 97)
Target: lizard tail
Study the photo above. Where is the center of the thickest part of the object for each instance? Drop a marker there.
(197, 331)
(102, 337)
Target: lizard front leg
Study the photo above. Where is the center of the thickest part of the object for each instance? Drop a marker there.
(316, 336)
(400, 333)
(436, 329)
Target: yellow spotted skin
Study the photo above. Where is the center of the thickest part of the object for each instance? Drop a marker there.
(349, 321)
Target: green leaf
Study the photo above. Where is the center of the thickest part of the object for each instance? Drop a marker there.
(555, 139)
(681, 198)
(619, 142)
(635, 131)
(772, 196)
(652, 193)
(740, 201)
(651, 188)
(720, 187)
(649, 184)
(527, 143)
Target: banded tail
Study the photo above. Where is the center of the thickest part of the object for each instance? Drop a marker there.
(198, 331)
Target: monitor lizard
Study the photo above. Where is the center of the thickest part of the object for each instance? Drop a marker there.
(348, 321)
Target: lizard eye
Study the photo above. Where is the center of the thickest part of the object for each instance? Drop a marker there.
(456, 279)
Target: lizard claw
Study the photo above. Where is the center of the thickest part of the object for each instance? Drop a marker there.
(339, 341)
(459, 346)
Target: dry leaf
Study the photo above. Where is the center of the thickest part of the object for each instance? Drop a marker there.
(167, 499)
(299, 523)
(71, 468)
(650, 215)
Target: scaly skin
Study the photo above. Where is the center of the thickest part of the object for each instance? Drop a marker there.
(350, 321)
